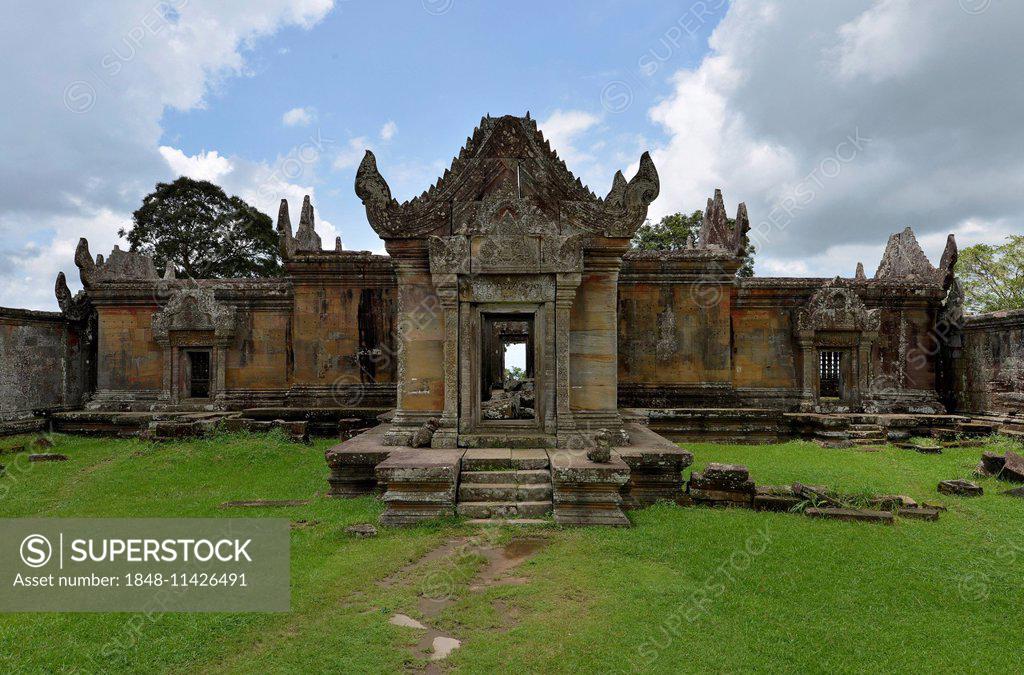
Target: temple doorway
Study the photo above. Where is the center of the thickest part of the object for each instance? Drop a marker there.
(507, 387)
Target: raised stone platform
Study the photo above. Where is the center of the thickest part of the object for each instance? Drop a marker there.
(421, 484)
(353, 464)
(585, 492)
(655, 468)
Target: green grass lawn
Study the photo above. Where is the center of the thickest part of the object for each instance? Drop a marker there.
(685, 589)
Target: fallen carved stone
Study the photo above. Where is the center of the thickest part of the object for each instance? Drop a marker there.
(961, 487)
(857, 515)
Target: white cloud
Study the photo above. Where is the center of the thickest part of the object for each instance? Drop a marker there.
(352, 153)
(841, 123)
(388, 131)
(204, 166)
(563, 128)
(82, 146)
(298, 117)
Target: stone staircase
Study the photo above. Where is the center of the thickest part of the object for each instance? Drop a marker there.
(504, 483)
(866, 433)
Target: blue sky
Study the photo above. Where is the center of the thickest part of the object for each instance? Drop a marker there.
(837, 123)
(434, 76)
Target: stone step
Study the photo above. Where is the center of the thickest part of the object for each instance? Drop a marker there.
(504, 509)
(508, 477)
(508, 438)
(496, 492)
(489, 459)
(508, 521)
(866, 427)
(876, 435)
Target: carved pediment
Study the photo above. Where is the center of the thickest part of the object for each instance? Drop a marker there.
(507, 179)
(837, 308)
(119, 266)
(194, 310)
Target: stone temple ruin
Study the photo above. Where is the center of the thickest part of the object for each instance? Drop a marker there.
(624, 349)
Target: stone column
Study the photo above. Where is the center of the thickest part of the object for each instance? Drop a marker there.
(565, 293)
(808, 353)
(220, 354)
(448, 294)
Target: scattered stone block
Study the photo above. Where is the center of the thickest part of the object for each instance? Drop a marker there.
(48, 457)
(297, 431)
(918, 513)
(815, 494)
(893, 502)
(42, 443)
(960, 487)
(934, 505)
(722, 485)
(362, 530)
(1013, 468)
(853, 515)
(257, 503)
(778, 503)
(991, 464)
(13, 450)
(1015, 492)
(928, 449)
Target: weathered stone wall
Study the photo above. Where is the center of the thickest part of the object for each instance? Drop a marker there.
(674, 332)
(687, 340)
(43, 363)
(989, 373)
(128, 358)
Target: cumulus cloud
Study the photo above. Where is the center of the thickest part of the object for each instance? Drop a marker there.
(298, 117)
(350, 155)
(840, 123)
(83, 144)
(204, 166)
(388, 131)
(564, 129)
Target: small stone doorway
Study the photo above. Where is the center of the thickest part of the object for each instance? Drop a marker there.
(196, 375)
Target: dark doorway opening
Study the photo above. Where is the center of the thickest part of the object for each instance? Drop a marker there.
(830, 374)
(507, 368)
(197, 374)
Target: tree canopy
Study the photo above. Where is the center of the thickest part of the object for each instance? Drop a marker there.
(992, 276)
(204, 233)
(671, 233)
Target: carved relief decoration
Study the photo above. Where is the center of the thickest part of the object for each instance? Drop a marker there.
(507, 178)
(120, 266)
(194, 309)
(667, 342)
(837, 308)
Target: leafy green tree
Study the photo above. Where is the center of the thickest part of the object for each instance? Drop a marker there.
(992, 276)
(514, 374)
(196, 227)
(671, 233)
